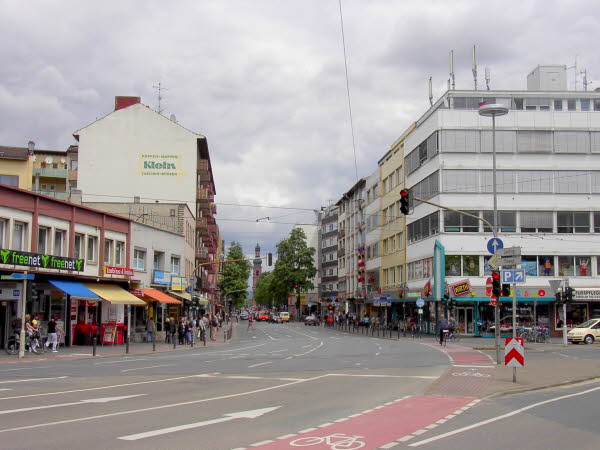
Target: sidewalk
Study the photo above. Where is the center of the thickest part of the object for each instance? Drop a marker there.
(107, 351)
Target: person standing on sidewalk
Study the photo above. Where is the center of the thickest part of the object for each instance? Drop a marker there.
(167, 331)
(149, 329)
(172, 329)
(443, 325)
(52, 336)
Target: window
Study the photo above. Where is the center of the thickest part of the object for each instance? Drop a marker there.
(573, 222)
(175, 261)
(505, 181)
(571, 105)
(427, 187)
(582, 266)
(518, 104)
(535, 181)
(566, 266)
(453, 265)
(471, 265)
(558, 105)
(546, 266)
(585, 104)
(596, 104)
(18, 239)
(572, 182)
(506, 141)
(59, 242)
(460, 181)
(423, 228)
(108, 248)
(385, 247)
(464, 141)
(400, 240)
(507, 221)
(77, 247)
(534, 141)
(3, 228)
(120, 253)
(92, 243)
(158, 261)
(399, 178)
(537, 221)
(571, 141)
(9, 180)
(530, 265)
(455, 222)
(43, 233)
(596, 223)
(139, 259)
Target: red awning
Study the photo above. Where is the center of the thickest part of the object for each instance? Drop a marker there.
(161, 297)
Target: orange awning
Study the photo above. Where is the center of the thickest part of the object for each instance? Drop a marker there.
(161, 297)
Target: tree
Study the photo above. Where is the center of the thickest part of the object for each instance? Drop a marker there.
(294, 266)
(235, 275)
(263, 294)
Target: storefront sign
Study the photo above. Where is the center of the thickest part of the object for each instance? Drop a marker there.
(586, 294)
(40, 260)
(461, 288)
(109, 270)
(161, 278)
(136, 292)
(177, 283)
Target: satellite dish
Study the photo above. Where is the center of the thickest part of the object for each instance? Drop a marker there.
(173, 118)
(49, 160)
(34, 157)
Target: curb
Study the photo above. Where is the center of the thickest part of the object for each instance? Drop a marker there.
(540, 388)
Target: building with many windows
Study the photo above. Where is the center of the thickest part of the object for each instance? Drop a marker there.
(548, 183)
(327, 255)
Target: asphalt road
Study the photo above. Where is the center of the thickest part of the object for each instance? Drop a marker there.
(285, 386)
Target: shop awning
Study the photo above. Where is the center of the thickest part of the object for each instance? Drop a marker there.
(182, 294)
(114, 294)
(202, 301)
(161, 297)
(75, 289)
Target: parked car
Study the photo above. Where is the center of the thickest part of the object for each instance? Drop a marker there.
(311, 320)
(263, 315)
(285, 316)
(243, 315)
(274, 318)
(587, 332)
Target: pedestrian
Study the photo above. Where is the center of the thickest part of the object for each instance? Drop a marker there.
(250, 323)
(149, 329)
(167, 331)
(52, 335)
(188, 332)
(214, 323)
(181, 330)
(443, 326)
(172, 329)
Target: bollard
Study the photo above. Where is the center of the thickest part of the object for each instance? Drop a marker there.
(153, 342)
(204, 337)
(94, 346)
(126, 343)
(174, 341)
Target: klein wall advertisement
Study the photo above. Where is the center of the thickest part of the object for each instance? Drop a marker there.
(160, 164)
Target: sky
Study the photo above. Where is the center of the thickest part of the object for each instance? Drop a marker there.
(265, 81)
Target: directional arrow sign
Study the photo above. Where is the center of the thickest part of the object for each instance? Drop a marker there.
(555, 284)
(514, 352)
(251, 414)
(494, 244)
(92, 400)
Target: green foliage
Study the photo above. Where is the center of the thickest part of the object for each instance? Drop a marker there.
(235, 274)
(263, 295)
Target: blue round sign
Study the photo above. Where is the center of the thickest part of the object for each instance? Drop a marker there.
(494, 244)
(420, 303)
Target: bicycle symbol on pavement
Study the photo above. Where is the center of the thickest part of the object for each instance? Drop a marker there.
(471, 373)
(337, 441)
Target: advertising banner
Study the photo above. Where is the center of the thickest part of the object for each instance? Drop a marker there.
(40, 260)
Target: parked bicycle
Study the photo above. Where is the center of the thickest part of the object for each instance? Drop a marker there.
(540, 335)
(35, 342)
(451, 336)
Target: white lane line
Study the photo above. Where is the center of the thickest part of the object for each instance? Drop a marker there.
(303, 334)
(308, 430)
(289, 357)
(408, 437)
(441, 421)
(378, 353)
(432, 426)
(120, 361)
(6, 389)
(33, 379)
(279, 351)
(325, 424)
(80, 402)
(305, 346)
(100, 387)
(244, 377)
(450, 416)
(418, 432)
(425, 377)
(366, 411)
(310, 351)
(258, 444)
(260, 364)
(390, 445)
(355, 415)
(470, 365)
(155, 408)
(343, 419)
(25, 368)
(285, 436)
(503, 416)
(147, 367)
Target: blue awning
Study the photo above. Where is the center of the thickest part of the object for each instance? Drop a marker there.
(75, 289)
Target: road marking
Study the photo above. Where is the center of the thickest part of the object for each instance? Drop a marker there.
(425, 377)
(469, 365)
(100, 387)
(325, 424)
(260, 364)
(316, 348)
(252, 414)
(33, 379)
(343, 419)
(155, 408)
(378, 353)
(285, 436)
(6, 389)
(305, 346)
(408, 437)
(503, 416)
(80, 402)
(25, 368)
(289, 357)
(279, 351)
(304, 334)
(390, 445)
(308, 430)
(258, 444)
(120, 361)
(147, 367)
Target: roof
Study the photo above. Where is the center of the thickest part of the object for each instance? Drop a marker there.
(360, 183)
(18, 153)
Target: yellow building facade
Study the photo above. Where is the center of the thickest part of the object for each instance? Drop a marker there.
(15, 167)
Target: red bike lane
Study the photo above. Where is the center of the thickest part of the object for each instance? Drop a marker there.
(388, 425)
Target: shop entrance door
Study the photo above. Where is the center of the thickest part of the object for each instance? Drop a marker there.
(464, 319)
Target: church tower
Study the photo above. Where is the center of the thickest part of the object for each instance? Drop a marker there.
(257, 269)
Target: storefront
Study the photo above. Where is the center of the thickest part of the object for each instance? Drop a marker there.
(585, 306)
(158, 306)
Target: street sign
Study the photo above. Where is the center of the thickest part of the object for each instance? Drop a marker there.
(494, 301)
(514, 352)
(509, 251)
(420, 311)
(494, 244)
(493, 262)
(413, 294)
(420, 303)
(509, 261)
(513, 276)
(555, 284)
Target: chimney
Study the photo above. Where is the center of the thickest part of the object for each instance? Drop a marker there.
(123, 102)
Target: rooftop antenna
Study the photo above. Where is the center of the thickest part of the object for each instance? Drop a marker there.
(585, 80)
(160, 88)
(430, 93)
(451, 80)
(487, 78)
(474, 68)
(574, 67)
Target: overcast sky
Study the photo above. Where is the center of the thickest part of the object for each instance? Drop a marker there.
(264, 80)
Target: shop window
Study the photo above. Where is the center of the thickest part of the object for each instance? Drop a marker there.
(565, 266)
(487, 269)
(582, 266)
(577, 313)
(453, 263)
(530, 265)
(471, 265)
(546, 266)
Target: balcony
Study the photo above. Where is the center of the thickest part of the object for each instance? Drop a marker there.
(202, 195)
(341, 252)
(341, 232)
(50, 172)
(202, 254)
(202, 224)
(211, 220)
(203, 165)
(204, 177)
(212, 229)
(54, 194)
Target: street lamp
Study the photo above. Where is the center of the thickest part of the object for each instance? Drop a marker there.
(493, 110)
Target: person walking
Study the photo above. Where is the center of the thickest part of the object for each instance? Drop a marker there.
(443, 326)
(214, 323)
(250, 323)
(150, 329)
(172, 329)
(167, 331)
(52, 334)
(181, 330)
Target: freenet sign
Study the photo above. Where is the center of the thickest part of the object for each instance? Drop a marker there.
(40, 260)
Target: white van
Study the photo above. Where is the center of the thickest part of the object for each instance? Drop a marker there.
(285, 316)
(587, 332)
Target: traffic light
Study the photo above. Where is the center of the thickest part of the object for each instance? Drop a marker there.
(567, 296)
(506, 290)
(404, 201)
(558, 297)
(330, 307)
(295, 287)
(496, 285)
(270, 259)
(452, 303)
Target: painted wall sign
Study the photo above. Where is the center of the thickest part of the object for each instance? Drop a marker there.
(40, 260)
(110, 270)
(461, 288)
(160, 164)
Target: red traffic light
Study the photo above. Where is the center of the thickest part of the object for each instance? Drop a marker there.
(496, 275)
(403, 193)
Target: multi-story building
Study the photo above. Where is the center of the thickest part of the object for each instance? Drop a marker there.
(548, 181)
(16, 165)
(392, 231)
(328, 255)
(351, 241)
(138, 155)
(50, 173)
(376, 300)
